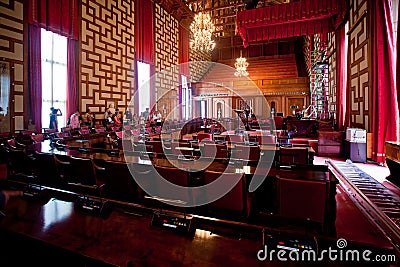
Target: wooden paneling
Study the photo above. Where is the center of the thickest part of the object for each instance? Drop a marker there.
(359, 66)
(107, 54)
(167, 58)
(12, 52)
(295, 101)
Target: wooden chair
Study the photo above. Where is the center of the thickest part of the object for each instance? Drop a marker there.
(303, 200)
(46, 170)
(175, 176)
(37, 138)
(218, 151)
(249, 154)
(19, 163)
(119, 183)
(234, 138)
(236, 200)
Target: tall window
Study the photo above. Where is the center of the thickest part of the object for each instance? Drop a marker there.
(203, 109)
(54, 76)
(186, 99)
(143, 85)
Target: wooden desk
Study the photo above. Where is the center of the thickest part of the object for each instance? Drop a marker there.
(119, 239)
(393, 161)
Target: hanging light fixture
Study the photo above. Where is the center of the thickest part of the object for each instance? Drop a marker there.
(202, 29)
(241, 66)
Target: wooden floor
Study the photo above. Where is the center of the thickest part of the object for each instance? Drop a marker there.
(351, 224)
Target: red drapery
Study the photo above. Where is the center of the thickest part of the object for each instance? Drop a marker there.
(384, 101)
(35, 76)
(306, 17)
(72, 87)
(184, 50)
(144, 31)
(398, 63)
(341, 78)
(144, 42)
(58, 16)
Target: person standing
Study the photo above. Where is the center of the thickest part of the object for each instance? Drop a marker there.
(128, 116)
(88, 118)
(146, 114)
(54, 113)
(74, 120)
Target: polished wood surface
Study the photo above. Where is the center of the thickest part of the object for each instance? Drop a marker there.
(123, 238)
(138, 157)
(392, 151)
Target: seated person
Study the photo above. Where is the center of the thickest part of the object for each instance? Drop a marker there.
(116, 118)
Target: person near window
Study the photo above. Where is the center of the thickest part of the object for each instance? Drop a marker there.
(146, 114)
(74, 120)
(54, 113)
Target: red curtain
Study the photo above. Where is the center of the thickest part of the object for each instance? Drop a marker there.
(144, 31)
(341, 77)
(72, 68)
(184, 50)
(398, 62)
(385, 117)
(35, 76)
(58, 16)
(306, 17)
(144, 42)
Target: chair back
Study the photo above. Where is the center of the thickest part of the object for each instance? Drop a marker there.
(267, 139)
(219, 151)
(236, 199)
(204, 136)
(156, 145)
(302, 199)
(37, 138)
(246, 153)
(46, 170)
(119, 183)
(234, 138)
(175, 176)
(278, 122)
(175, 145)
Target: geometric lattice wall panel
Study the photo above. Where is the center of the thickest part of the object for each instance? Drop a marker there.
(359, 67)
(166, 29)
(12, 54)
(332, 73)
(108, 52)
(198, 69)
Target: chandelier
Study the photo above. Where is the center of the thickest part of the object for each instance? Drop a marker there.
(241, 66)
(202, 29)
